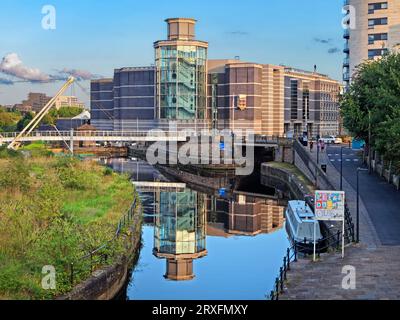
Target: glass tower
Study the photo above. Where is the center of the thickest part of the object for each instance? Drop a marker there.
(181, 65)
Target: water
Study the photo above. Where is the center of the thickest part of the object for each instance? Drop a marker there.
(204, 246)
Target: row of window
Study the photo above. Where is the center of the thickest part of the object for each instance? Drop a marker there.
(372, 53)
(377, 22)
(372, 7)
(377, 37)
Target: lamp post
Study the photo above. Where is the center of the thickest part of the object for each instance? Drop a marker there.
(358, 205)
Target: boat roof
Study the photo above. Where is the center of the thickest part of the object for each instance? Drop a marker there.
(302, 209)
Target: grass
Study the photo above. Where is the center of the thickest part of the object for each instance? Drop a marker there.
(53, 211)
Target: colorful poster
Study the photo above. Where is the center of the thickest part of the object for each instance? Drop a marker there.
(329, 205)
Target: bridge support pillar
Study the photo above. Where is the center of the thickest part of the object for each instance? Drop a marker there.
(71, 141)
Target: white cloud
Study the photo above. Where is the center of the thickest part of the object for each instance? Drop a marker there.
(12, 65)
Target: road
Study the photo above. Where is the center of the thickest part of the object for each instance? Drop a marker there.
(381, 199)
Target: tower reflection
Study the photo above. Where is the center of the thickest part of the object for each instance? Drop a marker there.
(180, 231)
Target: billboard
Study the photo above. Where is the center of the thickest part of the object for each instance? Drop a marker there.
(329, 205)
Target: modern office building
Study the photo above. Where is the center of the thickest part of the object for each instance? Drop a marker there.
(102, 103)
(311, 103)
(246, 96)
(376, 30)
(134, 98)
(186, 88)
(181, 73)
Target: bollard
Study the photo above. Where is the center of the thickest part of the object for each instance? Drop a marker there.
(277, 288)
(295, 252)
(288, 258)
(272, 295)
(284, 268)
(281, 280)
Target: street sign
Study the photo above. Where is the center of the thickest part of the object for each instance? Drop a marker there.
(329, 205)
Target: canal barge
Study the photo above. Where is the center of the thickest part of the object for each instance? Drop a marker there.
(300, 222)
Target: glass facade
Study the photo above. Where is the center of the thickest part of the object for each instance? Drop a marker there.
(181, 81)
(181, 223)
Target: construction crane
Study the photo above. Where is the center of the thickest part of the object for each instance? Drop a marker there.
(15, 144)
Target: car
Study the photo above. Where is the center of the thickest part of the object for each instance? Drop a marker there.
(328, 139)
(338, 140)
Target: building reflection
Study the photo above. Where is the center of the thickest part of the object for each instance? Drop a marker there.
(246, 215)
(182, 218)
(180, 231)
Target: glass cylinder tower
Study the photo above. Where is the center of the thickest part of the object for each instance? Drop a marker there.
(181, 66)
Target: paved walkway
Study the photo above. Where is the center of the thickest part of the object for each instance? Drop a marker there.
(376, 264)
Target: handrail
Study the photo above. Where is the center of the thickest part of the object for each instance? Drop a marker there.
(349, 234)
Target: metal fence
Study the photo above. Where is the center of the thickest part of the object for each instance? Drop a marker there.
(101, 255)
(332, 240)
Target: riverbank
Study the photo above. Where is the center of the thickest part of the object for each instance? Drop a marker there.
(53, 212)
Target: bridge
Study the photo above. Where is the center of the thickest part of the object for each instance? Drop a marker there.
(152, 186)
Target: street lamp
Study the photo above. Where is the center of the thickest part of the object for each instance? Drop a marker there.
(358, 204)
(341, 167)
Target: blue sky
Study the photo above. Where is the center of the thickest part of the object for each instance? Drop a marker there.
(100, 35)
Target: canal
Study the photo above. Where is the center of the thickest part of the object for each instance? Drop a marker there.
(200, 245)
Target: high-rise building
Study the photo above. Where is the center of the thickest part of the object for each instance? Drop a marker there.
(181, 73)
(376, 29)
(311, 103)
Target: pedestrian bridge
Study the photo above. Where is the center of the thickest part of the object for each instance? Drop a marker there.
(100, 136)
(153, 186)
(131, 136)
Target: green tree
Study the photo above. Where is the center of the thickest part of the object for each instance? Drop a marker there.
(373, 102)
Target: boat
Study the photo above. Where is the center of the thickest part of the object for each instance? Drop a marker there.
(300, 220)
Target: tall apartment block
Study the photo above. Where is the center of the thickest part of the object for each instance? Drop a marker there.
(246, 96)
(311, 103)
(377, 30)
(181, 73)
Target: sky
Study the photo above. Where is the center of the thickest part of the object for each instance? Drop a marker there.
(92, 37)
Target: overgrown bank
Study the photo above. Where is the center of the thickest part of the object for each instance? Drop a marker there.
(53, 212)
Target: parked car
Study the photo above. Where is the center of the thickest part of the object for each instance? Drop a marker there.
(338, 140)
(328, 139)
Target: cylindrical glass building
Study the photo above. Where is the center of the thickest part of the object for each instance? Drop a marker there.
(181, 73)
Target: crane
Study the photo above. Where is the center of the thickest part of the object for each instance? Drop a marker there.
(39, 116)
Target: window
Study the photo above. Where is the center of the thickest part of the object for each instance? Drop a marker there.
(376, 53)
(377, 22)
(293, 98)
(377, 6)
(376, 37)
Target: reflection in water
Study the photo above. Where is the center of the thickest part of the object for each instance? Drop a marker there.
(182, 219)
(180, 231)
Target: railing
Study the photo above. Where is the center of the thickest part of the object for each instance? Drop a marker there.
(322, 245)
(331, 241)
(101, 255)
